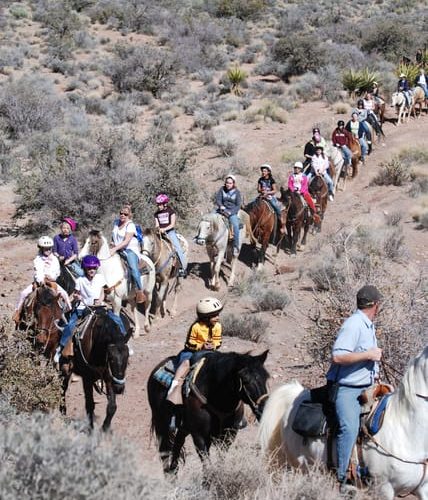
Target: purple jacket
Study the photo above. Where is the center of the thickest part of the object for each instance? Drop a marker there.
(65, 247)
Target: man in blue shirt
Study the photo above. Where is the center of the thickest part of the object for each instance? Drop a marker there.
(354, 366)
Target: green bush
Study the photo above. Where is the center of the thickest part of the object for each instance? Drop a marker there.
(242, 9)
(359, 82)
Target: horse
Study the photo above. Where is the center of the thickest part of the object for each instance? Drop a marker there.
(379, 110)
(396, 456)
(298, 216)
(318, 190)
(336, 165)
(161, 251)
(66, 279)
(119, 290)
(399, 101)
(213, 409)
(355, 148)
(263, 223)
(213, 232)
(100, 354)
(419, 100)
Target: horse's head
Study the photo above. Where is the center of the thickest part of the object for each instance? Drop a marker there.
(117, 362)
(149, 241)
(47, 310)
(253, 377)
(207, 227)
(396, 99)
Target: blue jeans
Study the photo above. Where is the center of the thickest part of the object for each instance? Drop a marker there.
(76, 268)
(366, 130)
(71, 325)
(172, 235)
(348, 415)
(118, 320)
(132, 259)
(275, 205)
(327, 179)
(347, 154)
(234, 221)
(364, 147)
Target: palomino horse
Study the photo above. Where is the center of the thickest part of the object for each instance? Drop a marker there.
(396, 457)
(379, 110)
(399, 101)
(161, 251)
(263, 222)
(298, 216)
(213, 232)
(336, 164)
(101, 354)
(318, 190)
(419, 100)
(118, 288)
(213, 409)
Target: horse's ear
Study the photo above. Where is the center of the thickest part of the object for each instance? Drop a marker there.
(262, 357)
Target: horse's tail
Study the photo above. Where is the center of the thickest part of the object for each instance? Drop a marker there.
(277, 407)
(245, 218)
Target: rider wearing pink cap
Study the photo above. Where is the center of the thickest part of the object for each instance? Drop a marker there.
(66, 247)
(165, 219)
(298, 182)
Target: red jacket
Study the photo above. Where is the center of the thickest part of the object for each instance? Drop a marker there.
(341, 137)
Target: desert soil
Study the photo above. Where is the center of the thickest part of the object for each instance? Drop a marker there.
(257, 143)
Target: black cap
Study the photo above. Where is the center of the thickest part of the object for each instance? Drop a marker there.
(340, 123)
(368, 296)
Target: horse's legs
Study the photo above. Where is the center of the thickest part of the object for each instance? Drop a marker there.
(216, 274)
(89, 399)
(177, 288)
(232, 271)
(180, 437)
(111, 407)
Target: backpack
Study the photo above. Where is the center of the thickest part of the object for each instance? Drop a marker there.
(139, 234)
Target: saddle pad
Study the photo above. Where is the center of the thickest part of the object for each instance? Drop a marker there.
(375, 421)
(163, 376)
(310, 420)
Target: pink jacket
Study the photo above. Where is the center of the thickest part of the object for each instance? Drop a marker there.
(304, 185)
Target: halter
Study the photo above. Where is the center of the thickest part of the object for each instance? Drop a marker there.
(206, 240)
(254, 405)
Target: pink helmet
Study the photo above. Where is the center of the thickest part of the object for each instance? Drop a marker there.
(161, 199)
(71, 222)
(90, 262)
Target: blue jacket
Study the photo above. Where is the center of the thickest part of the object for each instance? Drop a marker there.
(230, 200)
(403, 85)
(361, 130)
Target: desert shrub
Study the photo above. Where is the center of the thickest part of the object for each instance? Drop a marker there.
(392, 173)
(29, 104)
(27, 381)
(298, 54)
(141, 68)
(242, 9)
(389, 37)
(271, 299)
(411, 156)
(225, 145)
(236, 77)
(248, 327)
(393, 218)
(122, 110)
(11, 56)
(42, 458)
(18, 11)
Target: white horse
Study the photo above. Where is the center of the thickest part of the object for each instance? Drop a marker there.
(114, 273)
(213, 231)
(396, 457)
(399, 100)
(336, 157)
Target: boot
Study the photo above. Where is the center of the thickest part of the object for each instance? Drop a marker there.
(16, 318)
(140, 297)
(175, 395)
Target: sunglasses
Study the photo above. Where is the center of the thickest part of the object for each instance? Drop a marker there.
(124, 213)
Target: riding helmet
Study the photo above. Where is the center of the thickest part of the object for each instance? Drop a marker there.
(266, 165)
(71, 222)
(45, 242)
(90, 262)
(298, 164)
(230, 176)
(161, 199)
(209, 306)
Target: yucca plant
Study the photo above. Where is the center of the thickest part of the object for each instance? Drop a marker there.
(359, 82)
(410, 70)
(236, 77)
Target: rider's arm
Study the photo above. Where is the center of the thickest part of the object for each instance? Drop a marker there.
(350, 358)
(123, 244)
(75, 251)
(219, 199)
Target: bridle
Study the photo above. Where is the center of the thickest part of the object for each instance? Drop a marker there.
(254, 405)
(206, 240)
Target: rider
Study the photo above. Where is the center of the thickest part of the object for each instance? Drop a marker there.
(88, 291)
(319, 166)
(354, 366)
(228, 200)
(266, 186)
(298, 183)
(403, 86)
(342, 139)
(363, 114)
(422, 81)
(205, 334)
(65, 246)
(358, 131)
(124, 241)
(165, 218)
(317, 140)
(46, 271)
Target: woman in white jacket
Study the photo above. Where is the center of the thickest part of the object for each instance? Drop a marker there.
(319, 166)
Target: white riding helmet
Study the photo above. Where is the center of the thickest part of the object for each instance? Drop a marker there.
(266, 165)
(230, 176)
(298, 164)
(45, 242)
(209, 306)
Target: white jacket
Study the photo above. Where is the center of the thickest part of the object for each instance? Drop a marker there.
(320, 164)
(46, 267)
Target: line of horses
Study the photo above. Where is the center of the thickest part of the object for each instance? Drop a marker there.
(405, 109)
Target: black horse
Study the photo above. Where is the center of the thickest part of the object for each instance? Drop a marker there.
(213, 408)
(66, 279)
(100, 354)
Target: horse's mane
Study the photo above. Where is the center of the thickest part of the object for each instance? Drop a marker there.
(214, 218)
(110, 332)
(219, 364)
(45, 296)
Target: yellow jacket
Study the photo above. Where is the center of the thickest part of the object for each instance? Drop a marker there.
(199, 333)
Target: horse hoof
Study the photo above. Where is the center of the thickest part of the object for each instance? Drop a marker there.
(300, 248)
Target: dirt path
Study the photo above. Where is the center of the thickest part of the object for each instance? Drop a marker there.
(283, 337)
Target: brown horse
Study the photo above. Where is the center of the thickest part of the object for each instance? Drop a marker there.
(379, 110)
(355, 148)
(263, 222)
(161, 251)
(298, 216)
(318, 190)
(419, 100)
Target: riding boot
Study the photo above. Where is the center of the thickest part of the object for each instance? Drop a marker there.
(175, 391)
(369, 143)
(140, 297)
(316, 217)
